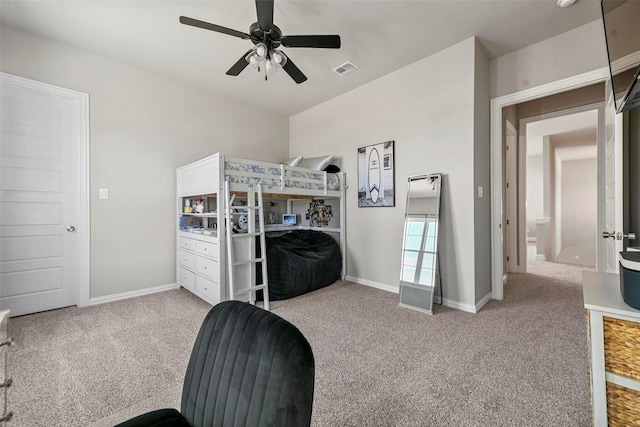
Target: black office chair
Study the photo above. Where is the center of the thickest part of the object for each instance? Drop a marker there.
(249, 367)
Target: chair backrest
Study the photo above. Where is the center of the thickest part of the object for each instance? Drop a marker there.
(248, 367)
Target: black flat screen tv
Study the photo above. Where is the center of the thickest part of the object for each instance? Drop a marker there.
(621, 20)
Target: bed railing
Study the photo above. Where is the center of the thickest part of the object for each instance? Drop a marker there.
(279, 177)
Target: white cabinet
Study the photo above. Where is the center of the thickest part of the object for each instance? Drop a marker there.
(198, 246)
(198, 270)
(614, 344)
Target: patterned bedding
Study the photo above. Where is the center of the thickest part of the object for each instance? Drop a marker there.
(271, 176)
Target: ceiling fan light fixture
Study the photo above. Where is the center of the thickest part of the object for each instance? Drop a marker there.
(261, 51)
(265, 36)
(277, 57)
(566, 3)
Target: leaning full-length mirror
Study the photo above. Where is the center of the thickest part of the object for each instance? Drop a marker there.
(419, 271)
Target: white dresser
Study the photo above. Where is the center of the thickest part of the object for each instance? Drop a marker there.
(198, 259)
(5, 381)
(614, 344)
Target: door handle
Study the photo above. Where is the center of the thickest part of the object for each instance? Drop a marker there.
(618, 235)
(71, 228)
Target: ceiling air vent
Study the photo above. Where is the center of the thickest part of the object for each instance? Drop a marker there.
(345, 68)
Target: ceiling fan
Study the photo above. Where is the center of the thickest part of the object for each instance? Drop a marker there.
(267, 38)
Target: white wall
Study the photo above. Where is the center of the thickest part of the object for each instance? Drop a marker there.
(142, 126)
(578, 51)
(482, 174)
(428, 109)
(579, 211)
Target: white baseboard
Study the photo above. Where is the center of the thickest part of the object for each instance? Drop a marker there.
(483, 301)
(456, 305)
(132, 294)
(541, 257)
(377, 285)
(396, 290)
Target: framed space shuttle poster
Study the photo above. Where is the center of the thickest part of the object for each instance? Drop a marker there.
(376, 180)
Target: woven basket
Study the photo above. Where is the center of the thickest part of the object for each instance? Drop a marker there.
(623, 406)
(622, 347)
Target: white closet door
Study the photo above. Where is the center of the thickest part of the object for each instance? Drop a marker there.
(41, 224)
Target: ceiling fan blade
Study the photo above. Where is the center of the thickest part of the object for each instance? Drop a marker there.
(323, 41)
(264, 9)
(240, 65)
(294, 71)
(213, 27)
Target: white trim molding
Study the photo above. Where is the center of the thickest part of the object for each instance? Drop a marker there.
(563, 85)
(133, 294)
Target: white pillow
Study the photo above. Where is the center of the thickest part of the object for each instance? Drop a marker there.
(317, 163)
(294, 161)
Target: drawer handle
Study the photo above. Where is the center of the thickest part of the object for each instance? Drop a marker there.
(6, 417)
(7, 383)
(8, 341)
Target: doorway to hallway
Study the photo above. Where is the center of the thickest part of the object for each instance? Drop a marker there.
(561, 187)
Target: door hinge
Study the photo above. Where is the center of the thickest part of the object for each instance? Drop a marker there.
(507, 258)
(507, 222)
(507, 185)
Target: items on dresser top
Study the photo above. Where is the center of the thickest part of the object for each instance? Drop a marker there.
(630, 278)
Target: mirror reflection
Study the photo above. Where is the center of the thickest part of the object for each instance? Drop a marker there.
(419, 272)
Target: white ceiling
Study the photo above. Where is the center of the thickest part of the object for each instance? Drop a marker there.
(379, 36)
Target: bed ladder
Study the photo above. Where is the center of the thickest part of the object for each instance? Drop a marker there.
(243, 243)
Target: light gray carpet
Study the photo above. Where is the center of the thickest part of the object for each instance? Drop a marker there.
(519, 362)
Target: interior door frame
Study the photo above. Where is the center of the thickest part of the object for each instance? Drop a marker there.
(83, 227)
(512, 206)
(497, 179)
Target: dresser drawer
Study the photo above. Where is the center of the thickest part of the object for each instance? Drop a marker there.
(623, 406)
(186, 278)
(622, 347)
(208, 267)
(187, 259)
(185, 243)
(208, 288)
(207, 249)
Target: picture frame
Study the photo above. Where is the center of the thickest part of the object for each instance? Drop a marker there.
(376, 175)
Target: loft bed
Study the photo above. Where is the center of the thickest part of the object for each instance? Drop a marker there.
(207, 177)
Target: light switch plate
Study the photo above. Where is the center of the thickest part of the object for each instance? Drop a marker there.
(103, 193)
